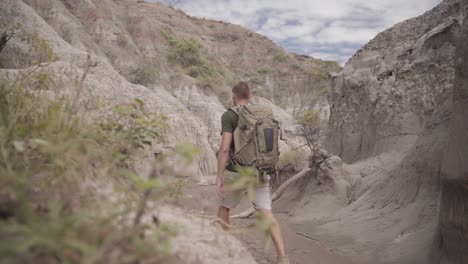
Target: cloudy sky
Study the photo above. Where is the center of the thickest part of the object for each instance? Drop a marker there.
(325, 29)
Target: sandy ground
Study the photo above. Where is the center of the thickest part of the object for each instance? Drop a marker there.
(203, 200)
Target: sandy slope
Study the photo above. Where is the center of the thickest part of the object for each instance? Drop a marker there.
(302, 250)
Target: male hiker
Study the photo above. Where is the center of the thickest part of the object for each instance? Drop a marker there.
(251, 133)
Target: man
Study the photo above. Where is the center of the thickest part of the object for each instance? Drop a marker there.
(262, 201)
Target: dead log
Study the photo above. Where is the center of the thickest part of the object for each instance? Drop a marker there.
(276, 195)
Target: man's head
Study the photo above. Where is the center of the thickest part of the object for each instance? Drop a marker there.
(240, 93)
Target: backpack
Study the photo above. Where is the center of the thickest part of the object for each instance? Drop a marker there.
(256, 138)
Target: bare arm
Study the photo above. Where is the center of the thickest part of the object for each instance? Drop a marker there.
(223, 156)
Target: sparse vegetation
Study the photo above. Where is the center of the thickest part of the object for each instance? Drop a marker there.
(292, 158)
(319, 69)
(187, 56)
(310, 127)
(123, 40)
(40, 49)
(49, 154)
(281, 56)
(145, 73)
(256, 80)
(264, 70)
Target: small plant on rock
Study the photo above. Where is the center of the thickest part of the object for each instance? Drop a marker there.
(144, 74)
(309, 121)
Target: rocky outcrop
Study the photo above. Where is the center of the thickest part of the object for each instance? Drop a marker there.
(390, 89)
(391, 115)
(452, 238)
(199, 241)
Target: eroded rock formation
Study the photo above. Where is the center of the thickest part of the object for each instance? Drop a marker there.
(391, 112)
(451, 243)
(390, 89)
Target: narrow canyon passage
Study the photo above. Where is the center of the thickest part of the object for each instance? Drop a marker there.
(203, 200)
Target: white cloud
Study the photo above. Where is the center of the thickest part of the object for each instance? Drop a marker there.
(306, 25)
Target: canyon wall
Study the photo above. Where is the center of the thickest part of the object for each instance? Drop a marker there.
(393, 111)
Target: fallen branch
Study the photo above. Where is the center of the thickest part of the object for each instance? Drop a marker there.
(276, 195)
(311, 239)
(144, 199)
(80, 86)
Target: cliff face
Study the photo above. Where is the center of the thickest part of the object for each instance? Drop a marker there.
(394, 110)
(390, 90)
(452, 237)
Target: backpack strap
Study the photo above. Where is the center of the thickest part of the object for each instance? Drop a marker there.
(235, 109)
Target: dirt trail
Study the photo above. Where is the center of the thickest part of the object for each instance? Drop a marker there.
(203, 200)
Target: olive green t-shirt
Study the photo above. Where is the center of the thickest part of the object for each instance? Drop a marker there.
(229, 121)
(228, 124)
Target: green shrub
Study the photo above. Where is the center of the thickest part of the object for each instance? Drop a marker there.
(145, 73)
(202, 70)
(256, 80)
(123, 40)
(281, 56)
(264, 70)
(39, 48)
(292, 158)
(310, 127)
(47, 155)
(187, 55)
(309, 117)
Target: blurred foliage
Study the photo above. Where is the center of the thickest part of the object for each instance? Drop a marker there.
(50, 157)
(245, 181)
(39, 48)
(187, 152)
(131, 123)
(263, 224)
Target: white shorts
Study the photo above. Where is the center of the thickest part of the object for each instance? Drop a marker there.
(262, 198)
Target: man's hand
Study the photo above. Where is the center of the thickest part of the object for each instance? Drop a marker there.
(220, 187)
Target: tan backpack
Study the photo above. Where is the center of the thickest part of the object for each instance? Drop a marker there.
(256, 138)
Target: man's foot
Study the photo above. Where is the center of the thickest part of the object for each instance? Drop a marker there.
(283, 260)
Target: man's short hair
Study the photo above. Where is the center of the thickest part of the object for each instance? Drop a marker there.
(241, 90)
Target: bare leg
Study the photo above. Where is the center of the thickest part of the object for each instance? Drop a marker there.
(275, 231)
(223, 215)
